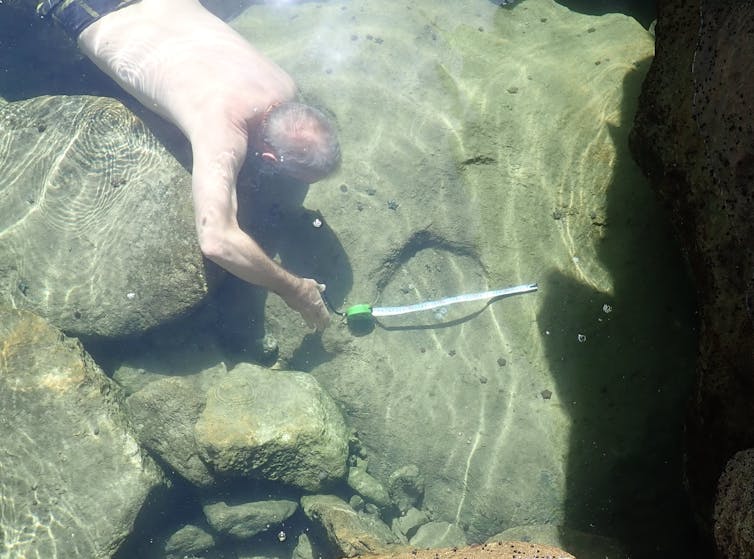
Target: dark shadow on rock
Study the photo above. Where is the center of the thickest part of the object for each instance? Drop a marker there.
(693, 138)
(233, 314)
(183, 503)
(624, 372)
(227, 9)
(310, 354)
(271, 210)
(183, 346)
(181, 499)
(644, 11)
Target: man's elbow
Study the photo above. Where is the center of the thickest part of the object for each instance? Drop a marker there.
(213, 244)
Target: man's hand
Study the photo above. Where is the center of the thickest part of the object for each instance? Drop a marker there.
(307, 300)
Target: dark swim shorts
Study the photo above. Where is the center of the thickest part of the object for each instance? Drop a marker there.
(76, 15)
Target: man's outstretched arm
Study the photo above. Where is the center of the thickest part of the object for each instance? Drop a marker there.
(225, 243)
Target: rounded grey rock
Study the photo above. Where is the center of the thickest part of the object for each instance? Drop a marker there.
(247, 519)
(96, 221)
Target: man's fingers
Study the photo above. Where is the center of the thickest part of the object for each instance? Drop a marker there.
(323, 317)
(314, 311)
(319, 323)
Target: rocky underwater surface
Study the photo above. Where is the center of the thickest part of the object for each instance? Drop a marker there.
(484, 146)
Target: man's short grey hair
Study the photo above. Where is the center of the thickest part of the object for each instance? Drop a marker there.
(319, 155)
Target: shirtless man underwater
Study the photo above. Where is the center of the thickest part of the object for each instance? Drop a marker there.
(194, 70)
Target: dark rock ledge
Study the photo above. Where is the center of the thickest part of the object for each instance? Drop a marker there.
(694, 138)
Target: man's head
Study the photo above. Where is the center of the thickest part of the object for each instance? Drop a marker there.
(298, 141)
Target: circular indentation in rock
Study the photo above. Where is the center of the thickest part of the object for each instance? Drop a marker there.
(239, 393)
(430, 274)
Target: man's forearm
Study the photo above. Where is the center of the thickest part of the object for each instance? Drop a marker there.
(238, 253)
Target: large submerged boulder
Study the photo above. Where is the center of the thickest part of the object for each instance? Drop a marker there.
(694, 138)
(248, 422)
(273, 425)
(499, 158)
(349, 532)
(96, 221)
(72, 475)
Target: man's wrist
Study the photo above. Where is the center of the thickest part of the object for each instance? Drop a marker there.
(288, 285)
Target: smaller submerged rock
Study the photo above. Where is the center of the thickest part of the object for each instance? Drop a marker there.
(350, 532)
(165, 411)
(367, 486)
(279, 426)
(406, 486)
(409, 522)
(246, 520)
(189, 540)
(303, 549)
(734, 521)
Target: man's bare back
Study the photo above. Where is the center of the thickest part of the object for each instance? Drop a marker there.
(193, 69)
(178, 59)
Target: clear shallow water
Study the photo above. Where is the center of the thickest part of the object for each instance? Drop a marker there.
(499, 136)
